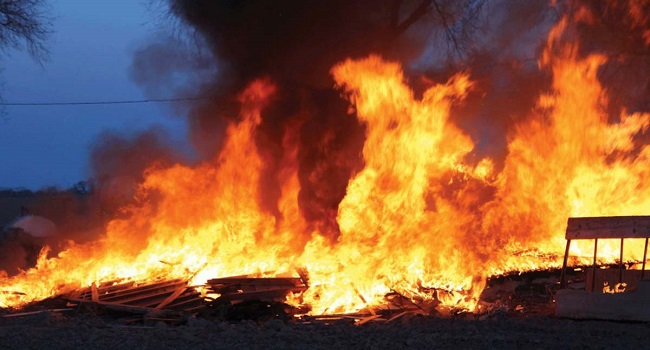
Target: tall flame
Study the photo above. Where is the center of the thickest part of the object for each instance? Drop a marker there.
(569, 158)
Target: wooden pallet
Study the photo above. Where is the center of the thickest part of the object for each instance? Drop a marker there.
(138, 297)
(237, 289)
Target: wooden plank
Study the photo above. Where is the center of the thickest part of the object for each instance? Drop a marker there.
(247, 289)
(170, 298)
(328, 317)
(393, 318)
(564, 264)
(186, 304)
(75, 294)
(103, 288)
(189, 299)
(608, 227)
(141, 298)
(366, 320)
(269, 294)
(275, 281)
(93, 290)
(368, 307)
(116, 306)
(123, 290)
(35, 312)
(151, 299)
(105, 285)
(409, 301)
(645, 256)
(142, 292)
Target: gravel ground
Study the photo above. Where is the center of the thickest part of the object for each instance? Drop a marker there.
(56, 331)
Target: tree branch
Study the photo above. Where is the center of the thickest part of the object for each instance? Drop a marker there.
(25, 25)
(422, 9)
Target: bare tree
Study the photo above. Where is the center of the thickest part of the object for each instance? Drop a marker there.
(458, 19)
(25, 25)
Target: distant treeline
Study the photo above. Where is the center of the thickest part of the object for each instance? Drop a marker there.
(79, 188)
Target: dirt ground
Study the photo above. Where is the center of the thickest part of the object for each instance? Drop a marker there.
(64, 331)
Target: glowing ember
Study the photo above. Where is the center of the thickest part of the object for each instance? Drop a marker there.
(414, 219)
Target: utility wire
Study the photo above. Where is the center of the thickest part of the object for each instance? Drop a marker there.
(196, 98)
(101, 102)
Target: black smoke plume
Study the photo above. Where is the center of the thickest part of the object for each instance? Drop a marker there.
(295, 44)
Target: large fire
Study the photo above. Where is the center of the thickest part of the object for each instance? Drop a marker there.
(414, 218)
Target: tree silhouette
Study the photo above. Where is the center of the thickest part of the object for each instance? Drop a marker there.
(25, 25)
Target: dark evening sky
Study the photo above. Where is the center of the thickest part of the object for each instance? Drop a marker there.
(91, 51)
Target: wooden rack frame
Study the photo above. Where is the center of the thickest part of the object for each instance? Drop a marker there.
(606, 227)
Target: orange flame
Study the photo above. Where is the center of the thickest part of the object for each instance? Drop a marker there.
(414, 218)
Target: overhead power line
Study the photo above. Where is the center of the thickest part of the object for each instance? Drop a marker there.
(101, 102)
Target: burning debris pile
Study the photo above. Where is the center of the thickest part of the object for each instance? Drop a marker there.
(261, 299)
(382, 189)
